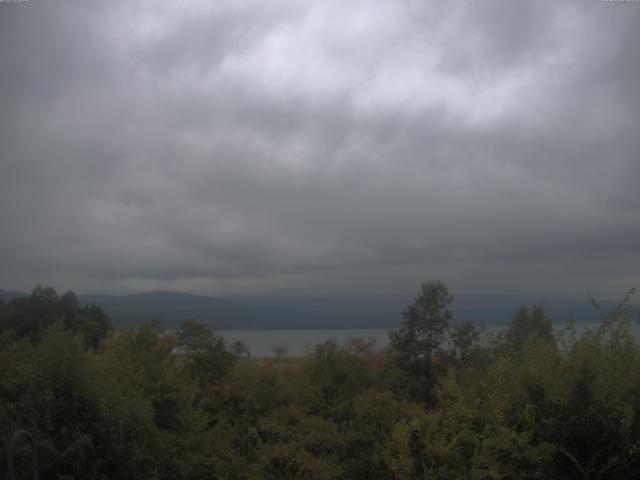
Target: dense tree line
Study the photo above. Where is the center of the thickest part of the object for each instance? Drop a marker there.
(442, 401)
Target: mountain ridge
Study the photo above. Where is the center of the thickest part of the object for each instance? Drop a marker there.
(311, 312)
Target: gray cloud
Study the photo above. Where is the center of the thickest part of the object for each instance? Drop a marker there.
(320, 146)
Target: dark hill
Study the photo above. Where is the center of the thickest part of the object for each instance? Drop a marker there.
(319, 312)
(171, 308)
(7, 295)
(314, 312)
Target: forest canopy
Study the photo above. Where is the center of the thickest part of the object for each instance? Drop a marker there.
(444, 400)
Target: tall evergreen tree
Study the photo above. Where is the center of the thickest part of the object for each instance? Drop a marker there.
(419, 340)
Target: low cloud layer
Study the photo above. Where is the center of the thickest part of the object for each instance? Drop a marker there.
(320, 146)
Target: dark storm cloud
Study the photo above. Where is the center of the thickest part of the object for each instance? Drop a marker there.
(320, 146)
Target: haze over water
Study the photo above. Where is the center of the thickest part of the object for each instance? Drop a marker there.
(298, 342)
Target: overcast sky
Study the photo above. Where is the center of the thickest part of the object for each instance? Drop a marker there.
(320, 147)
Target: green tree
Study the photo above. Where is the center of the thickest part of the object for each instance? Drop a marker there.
(211, 364)
(330, 378)
(209, 359)
(526, 323)
(420, 338)
(464, 338)
(50, 389)
(32, 316)
(240, 349)
(194, 336)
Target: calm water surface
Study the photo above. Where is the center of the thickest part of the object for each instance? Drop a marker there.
(297, 342)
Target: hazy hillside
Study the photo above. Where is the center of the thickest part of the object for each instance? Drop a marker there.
(385, 311)
(7, 295)
(172, 308)
(313, 312)
(317, 312)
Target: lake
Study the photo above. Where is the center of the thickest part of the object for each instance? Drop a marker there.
(261, 342)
